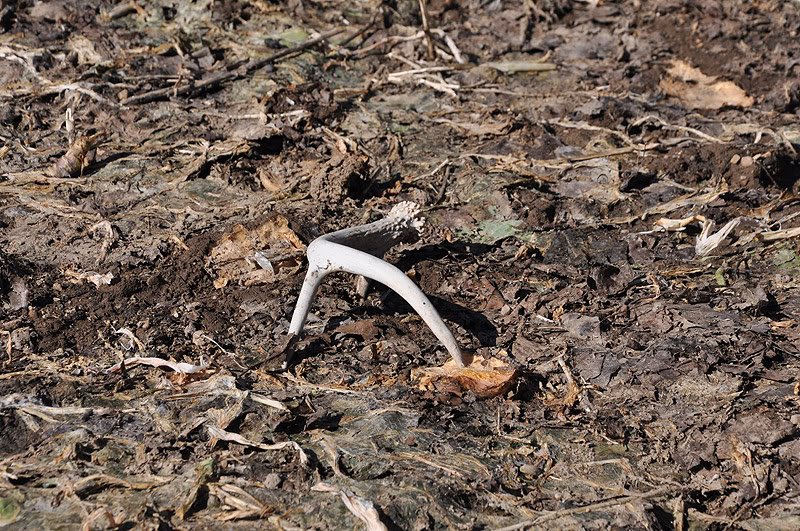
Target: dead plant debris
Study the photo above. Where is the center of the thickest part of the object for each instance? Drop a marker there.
(612, 203)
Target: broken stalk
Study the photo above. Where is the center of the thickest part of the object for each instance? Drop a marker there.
(358, 250)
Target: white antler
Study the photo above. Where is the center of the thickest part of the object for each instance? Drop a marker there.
(358, 250)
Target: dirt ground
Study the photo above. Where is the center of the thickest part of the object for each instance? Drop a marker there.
(611, 201)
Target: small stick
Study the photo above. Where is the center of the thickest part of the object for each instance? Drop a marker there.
(231, 73)
(605, 504)
(360, 32)
(357, 250)
(427, 29)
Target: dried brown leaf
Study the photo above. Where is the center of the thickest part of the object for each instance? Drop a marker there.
(101, 518)
(231, 147)
(364, 328)
(254, 256)
(486, 378)
(93, 277)
(699, 91)
(677, 225)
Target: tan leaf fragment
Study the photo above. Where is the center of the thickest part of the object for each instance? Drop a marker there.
(210, 153)
(100, 482)
(486, 378)
(93, 277)
(570, 397)
(699, 91)
(678, 225)
(255, 255)
(479, 127)
(85, 50)
(101, 518)
(79, 155)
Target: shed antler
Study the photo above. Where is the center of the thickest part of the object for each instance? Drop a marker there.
(359, 250)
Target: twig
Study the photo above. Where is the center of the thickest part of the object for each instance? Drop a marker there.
(416, 71)
(655, 493)
(121, 10)
(9, 345)
(445, 162)
(441, 86)
(405, 60)
(451, 45)
(361, 508)
(783, 234)
(359, 33)
(683, 128)
(181, 368)
(614, 152)
(581, 125)
(427, 29)
(387, 40)
(232, 73)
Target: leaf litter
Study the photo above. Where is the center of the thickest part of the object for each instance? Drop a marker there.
(611, 195)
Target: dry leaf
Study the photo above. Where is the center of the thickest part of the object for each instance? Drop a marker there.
(269, 181)
(485, 378)
(85, 50)
(479, 126)
(706, 240)
(364, 328)
(228, 148)
(699, 91)
(100, 482)
(571, 396)
(243, 505)
(95, 278)
(677, 225)
(254, 256)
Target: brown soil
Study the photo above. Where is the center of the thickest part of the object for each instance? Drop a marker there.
(659, 384)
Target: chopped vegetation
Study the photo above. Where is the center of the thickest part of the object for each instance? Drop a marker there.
(612, 234)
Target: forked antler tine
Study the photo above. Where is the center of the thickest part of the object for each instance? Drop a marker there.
(335, 252)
